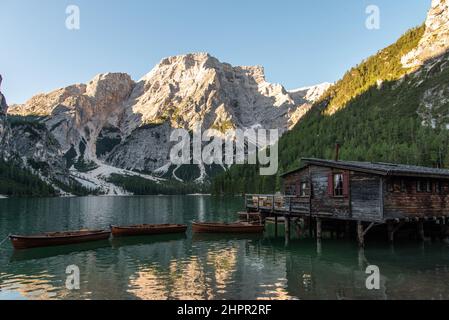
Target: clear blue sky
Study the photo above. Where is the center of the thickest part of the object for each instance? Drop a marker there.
(299, 42)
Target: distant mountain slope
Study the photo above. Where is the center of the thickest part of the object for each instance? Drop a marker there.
(382, 110)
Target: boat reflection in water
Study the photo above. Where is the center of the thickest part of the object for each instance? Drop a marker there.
(146, 240)
(48, 252)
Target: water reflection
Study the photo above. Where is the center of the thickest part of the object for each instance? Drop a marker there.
(202, 266)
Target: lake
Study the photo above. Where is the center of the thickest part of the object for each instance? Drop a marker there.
(201, 267)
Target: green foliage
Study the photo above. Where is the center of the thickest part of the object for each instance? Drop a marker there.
(75, 188)
(30, 121)
(18, 182)
(142, 186)
(85, 166)
(384, 66)
(70, 157)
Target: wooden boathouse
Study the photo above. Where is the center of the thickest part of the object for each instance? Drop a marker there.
(360, 194)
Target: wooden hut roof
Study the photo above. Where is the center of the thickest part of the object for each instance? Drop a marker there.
(378, 168)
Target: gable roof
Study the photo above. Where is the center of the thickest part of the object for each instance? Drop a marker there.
(378, 168)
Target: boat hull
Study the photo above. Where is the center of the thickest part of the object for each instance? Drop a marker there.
(57, 239)
(240, 228)
(145, 230)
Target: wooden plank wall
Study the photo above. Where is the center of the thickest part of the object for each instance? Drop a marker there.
(414, 204)
(292, 184)
(366, 197)
(322, 203)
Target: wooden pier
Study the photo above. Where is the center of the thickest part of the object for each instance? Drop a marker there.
(352, 199)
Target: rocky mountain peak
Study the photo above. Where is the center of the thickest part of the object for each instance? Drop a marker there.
(127, 124)
(435, 40)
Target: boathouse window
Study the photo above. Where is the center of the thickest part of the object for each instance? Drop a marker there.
(338, 185)
(397, 186)
(290, 190)
(403, 186)
(424, 186)
(304, 189)
(439, 187)
(390, 187)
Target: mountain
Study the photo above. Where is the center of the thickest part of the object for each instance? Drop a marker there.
(435, 40)
(392, 107)
(114, 126)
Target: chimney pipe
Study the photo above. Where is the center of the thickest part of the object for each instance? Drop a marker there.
(337, 152)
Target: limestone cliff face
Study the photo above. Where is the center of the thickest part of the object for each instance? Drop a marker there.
(77, 114)
(127, 124)
(430, 65)
(436, 37)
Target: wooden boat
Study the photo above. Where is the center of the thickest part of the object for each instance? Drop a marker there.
(58, 238)
(237, 227)
(148, 229)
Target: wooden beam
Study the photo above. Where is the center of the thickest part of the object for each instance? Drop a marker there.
(372, 224)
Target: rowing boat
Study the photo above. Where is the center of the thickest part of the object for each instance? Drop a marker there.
(58, 238)
(148, 229)
(237, 227)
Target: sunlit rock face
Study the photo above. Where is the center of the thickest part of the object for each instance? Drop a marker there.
(436, 37)
(198, 87)
(76, 115)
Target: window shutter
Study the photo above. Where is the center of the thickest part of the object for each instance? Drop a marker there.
(346, 184)
(330, 184)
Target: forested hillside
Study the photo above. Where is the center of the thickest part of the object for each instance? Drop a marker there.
(377, 112)
(18, 182)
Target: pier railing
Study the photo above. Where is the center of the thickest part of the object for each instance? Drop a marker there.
(277, 203)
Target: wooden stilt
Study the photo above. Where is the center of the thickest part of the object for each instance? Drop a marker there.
(310, 221)
(390, 227)
(287, 230)
(276, 226)
(360, 234)
(362, 258)
(319, 247)
(318, 229)
(421, 234)
(348, 230)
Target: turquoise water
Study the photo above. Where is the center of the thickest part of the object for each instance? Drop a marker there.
(201, 267)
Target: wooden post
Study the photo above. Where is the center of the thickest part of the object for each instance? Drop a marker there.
(310, 221)
(318, 229)
(390, 227)
(319, 247)
(287, 230)
(421, 234)
(348, 230)
(360, 234)
(276, 226)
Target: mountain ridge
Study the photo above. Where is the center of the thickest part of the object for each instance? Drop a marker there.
(115, 122)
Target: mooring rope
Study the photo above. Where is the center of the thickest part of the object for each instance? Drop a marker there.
(4, 240)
